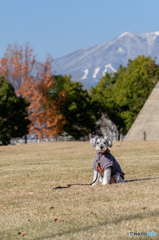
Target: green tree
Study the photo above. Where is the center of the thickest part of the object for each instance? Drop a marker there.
(123, 94)
(13, 114)
(81, 112)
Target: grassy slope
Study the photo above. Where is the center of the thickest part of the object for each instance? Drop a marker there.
(30, 209)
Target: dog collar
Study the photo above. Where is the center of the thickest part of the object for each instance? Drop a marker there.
(107, 151)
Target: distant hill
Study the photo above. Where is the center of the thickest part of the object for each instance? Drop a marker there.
(89, 64)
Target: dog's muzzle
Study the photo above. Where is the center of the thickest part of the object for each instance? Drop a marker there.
(101, 148)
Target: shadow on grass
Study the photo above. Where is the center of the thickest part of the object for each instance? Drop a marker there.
(132, 180)
(143, 179)
(138, 216)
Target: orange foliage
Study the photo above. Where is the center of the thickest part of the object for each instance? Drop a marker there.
(31, 79)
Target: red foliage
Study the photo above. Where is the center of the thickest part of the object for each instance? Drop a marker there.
(32, 79)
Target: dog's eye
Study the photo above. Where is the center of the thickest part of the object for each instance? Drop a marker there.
(97, 142)
(104, 142)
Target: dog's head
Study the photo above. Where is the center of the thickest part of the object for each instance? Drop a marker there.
(101, 144)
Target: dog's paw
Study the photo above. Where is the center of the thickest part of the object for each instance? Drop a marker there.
(105, 183)
(94, 184)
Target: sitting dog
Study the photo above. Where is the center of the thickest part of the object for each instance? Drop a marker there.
(106, 168)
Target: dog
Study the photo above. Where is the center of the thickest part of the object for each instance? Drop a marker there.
(106, 168)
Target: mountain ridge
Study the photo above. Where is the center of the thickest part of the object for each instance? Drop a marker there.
(89, 64)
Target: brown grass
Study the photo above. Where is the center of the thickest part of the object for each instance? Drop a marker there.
(30, 209)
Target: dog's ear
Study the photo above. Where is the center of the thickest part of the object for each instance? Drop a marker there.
(93, 141)
(109, 141)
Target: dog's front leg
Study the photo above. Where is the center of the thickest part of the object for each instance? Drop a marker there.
(96, 177)
(107, 176)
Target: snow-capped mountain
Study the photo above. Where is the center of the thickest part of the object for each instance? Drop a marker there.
(89, 64)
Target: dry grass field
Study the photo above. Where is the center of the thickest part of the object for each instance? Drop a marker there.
(30, 209)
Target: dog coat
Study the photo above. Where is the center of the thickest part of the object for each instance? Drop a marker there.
(107, 160)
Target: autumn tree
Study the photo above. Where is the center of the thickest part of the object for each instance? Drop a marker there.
(31, 79)
(13, 113)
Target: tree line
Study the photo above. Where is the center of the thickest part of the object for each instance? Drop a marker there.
(34, 101)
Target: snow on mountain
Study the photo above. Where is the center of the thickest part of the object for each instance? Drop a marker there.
(89, 64)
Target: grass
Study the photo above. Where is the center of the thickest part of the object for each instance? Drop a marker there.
(30, 209)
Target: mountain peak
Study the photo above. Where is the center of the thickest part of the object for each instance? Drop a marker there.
(155, 33)
(89, 64)
(130, 34)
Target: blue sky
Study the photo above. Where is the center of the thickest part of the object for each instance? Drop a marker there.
(60, 27)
